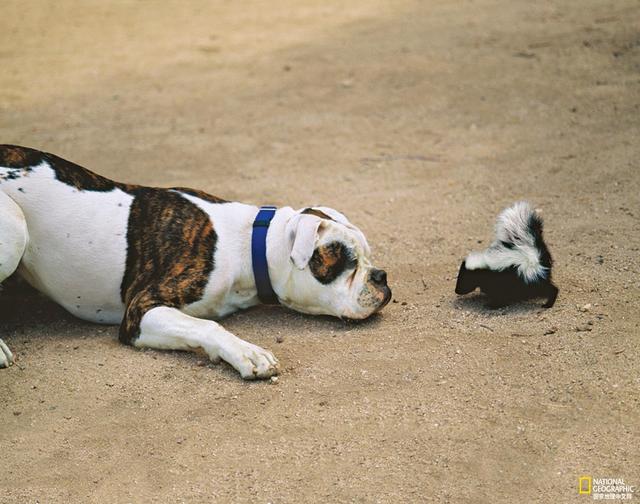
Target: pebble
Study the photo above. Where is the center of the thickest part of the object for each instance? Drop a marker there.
(273, 380)
(551, 330)
(583, 328)
(279, 338)
(585, 308)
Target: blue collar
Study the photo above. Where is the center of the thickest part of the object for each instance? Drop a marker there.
(259, 255)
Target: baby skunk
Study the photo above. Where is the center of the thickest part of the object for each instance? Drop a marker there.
(517, 265)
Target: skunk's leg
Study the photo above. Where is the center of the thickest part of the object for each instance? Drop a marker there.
(551, 294)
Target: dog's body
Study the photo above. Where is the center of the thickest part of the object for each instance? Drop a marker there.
(161, 261)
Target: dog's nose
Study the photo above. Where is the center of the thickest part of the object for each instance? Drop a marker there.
(378, 277)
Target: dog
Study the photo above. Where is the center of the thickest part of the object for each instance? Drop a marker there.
(517, 265)
(165, 262)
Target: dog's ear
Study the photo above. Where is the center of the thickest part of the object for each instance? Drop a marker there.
(467, 280)
(302, 231)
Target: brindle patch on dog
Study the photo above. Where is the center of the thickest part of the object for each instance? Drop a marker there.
(329, 261)
(82, 179)
(18, 160)
(13, 156)
(25, 159)
(171, 244)
(317, 213)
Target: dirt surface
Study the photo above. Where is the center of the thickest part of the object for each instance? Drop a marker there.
(420, 121)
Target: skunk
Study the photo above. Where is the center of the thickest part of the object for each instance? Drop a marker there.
(517, 265)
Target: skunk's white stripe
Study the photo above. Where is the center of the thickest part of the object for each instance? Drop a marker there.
(512, 227)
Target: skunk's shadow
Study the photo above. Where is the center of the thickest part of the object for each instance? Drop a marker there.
(479, 303)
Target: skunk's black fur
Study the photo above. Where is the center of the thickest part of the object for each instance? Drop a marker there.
(517, 265)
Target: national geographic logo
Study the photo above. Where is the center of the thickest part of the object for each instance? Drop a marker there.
(605, 488)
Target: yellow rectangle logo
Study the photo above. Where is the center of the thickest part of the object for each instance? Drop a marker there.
(584, 485)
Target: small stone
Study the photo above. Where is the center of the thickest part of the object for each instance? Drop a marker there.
(599, 259)
(273, 380)
(585, 308)
(279, 338)
(583, 328)
(551, 330)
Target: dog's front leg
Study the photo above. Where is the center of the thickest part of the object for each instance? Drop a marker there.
(170, 329)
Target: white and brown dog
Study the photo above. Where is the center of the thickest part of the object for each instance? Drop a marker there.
(160, 262)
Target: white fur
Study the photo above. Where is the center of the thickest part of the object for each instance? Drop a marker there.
(77, 244)
(512, 226)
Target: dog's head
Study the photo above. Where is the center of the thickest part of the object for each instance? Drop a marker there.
(330, 272)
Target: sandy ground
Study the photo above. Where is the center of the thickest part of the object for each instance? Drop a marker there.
(420, 121)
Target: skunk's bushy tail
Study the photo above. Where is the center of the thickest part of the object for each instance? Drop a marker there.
(518, 244)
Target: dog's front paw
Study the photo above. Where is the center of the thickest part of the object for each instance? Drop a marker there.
(6, 357)
(250, 361)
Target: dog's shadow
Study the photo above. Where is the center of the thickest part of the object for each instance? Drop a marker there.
(279, 318)
(24, 309)
(22, 306)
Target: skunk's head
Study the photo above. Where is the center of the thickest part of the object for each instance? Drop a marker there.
(467, 280)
